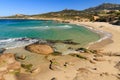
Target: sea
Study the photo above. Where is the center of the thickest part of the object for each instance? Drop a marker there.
(21, 32)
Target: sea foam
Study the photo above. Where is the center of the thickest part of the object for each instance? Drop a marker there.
(16, 42)
(46, 27)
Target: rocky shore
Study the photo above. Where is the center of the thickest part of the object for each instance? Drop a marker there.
(90, 65)
(39, 61)
(9, 67)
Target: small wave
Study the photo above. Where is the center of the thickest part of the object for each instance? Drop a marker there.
(16, 42)
(105, 35)
(47, 27)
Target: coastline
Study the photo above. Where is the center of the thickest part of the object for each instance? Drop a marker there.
(106, 37)
(95, 66)
(60, 20)
(109, 35)
(113, 30)
(102, 34)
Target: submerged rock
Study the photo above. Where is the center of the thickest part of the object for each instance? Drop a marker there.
(69, 41)
(2, 50)
(40, 48)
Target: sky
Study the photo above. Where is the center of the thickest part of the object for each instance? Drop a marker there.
(29, 7)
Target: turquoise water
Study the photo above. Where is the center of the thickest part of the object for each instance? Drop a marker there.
(11, 29)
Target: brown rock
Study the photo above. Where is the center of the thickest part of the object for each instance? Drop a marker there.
(54, 65)
(40, 48)
(36, 70)
(8, 64)
(22, 57)
(93, 62)
(99, 59)
(53, 78)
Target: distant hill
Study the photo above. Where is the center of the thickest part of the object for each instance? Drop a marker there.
(17, 16)
(69, 13)
(104, 6)
(106, 12)
(65, 14)
(87, 13)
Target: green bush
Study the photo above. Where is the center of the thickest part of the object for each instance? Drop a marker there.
(27, 67)
(79, 56)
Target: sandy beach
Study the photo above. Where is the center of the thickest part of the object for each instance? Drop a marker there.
(112, 29)
(100, 66)
(60, 40)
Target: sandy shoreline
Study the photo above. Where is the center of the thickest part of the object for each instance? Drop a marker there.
(113, 30)
(104, 36)
(109, 34)
(95, 67)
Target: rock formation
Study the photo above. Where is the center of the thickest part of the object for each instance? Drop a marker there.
(8, 67)
(40, 49)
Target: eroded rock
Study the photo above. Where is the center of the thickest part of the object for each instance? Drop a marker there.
(8, 65)
(40, 48)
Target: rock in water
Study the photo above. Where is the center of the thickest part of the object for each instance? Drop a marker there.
(2, 50)
(40, 48)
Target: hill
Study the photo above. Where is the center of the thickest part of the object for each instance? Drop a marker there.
(65, 14)
(104, 6)
(106, 12)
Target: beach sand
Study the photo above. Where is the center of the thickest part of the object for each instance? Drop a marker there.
(99, 66)
(114, 30)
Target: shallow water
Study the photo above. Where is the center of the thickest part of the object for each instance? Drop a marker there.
(12, 29)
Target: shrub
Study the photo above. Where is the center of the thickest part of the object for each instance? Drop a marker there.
(27, 67)
(79, 56)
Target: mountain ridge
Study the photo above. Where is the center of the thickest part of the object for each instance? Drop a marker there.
(104, 6)
(106, 12)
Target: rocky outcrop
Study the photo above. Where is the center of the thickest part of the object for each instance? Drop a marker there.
(40, 48)
(8, 67)
(115, 22)
(2, 50)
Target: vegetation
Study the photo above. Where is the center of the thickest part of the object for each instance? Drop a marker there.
(16, 72)
(65, 14)
(27, 67)
(105, 12)
(104, 6)
(56, 53)
(84, 50)
(78, 56)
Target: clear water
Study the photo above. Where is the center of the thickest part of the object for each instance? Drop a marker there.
(12, 29)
